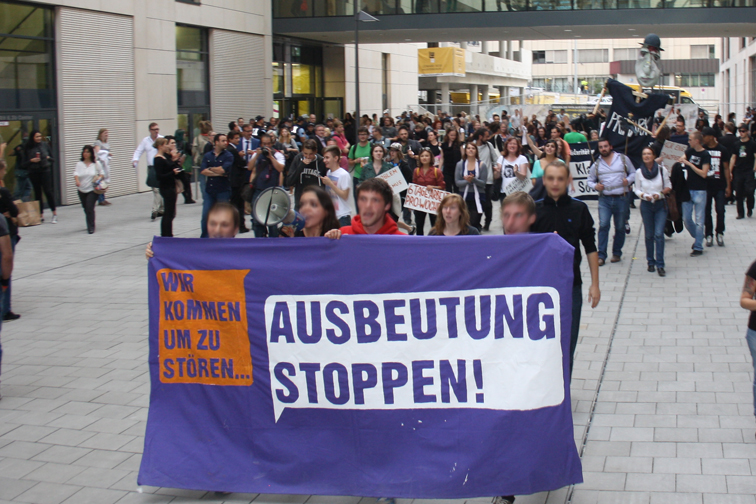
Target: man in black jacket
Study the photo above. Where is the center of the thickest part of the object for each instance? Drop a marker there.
(306, 169)
(238, 177)
(571, 219)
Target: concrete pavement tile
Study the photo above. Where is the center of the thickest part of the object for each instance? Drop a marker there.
(22, 449)
(675, 498)
(47, 493)
(729, 499)
(62, 454)
(17, 468)
(11, 488)
(55, 473)
(741, 484)
(67, 437)
(650, 482)
(95, 496)
(726, 467)
(677, 465)
(701, 483)
(145, 498)
(102, 458)
(98, 477)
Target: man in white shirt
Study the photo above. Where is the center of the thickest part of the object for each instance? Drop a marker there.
(337, 184)
(146, 146)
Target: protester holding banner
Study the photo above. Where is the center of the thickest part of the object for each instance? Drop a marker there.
(518, 213)
(611, 175)
(652, 186)
(453, 219)
(470, 177)
(451, 154)
(374, 197)
(317, 207)
(426, 175)
(697, 162)
(511, 166)
(571, 219)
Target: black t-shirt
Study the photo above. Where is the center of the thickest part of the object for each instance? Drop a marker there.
(752, 319)
(695, 181)
(719, 155)
(744, 152)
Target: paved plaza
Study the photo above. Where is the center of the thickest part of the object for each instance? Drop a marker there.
(661, 390)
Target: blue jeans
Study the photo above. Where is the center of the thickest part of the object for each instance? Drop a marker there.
(696, 229)
(654, 214)
(611, 207)
(23, 186)
(751, 339)
(577, 308)
(208, 201)
(6, 303)
(2, 300)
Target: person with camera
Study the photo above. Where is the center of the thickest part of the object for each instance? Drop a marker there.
(87, 173)
(268, 165)
(38, 160)
(216, 165)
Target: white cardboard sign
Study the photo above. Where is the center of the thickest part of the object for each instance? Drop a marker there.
(423, 199)
(395, 179)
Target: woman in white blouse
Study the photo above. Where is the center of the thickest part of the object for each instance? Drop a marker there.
(87, 173)
(652, 186)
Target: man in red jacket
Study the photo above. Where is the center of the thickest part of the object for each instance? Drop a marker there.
(374, 197)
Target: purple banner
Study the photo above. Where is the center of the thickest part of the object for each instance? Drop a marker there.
(377, 366)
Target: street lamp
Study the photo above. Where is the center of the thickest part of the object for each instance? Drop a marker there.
(359, 17)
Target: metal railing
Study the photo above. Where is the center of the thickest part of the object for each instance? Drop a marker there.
(331, 8)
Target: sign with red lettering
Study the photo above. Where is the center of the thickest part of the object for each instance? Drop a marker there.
(423, 199)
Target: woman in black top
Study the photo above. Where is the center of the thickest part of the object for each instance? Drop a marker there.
(435, 146)
(167, 173)
(38, 161)
(451, 154)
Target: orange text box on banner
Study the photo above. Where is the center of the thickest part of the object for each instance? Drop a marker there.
(203, 327)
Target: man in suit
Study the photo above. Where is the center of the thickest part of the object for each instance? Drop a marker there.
(246, 148)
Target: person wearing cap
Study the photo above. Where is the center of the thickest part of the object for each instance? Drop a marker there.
(718, 186)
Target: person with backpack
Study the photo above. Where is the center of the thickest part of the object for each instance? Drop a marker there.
(426, 175)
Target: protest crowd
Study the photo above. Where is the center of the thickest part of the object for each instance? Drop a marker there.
(438, 175)
(340, 178)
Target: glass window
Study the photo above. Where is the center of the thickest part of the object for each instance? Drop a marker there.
(550, 56)
(593, 55)
(26, 76)
(302, 78)
(278, 77)
(702, 51)
(25, 20)
(630, 53)
(539, 57)
(191, 67)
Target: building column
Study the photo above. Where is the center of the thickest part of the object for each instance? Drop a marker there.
(522, 95)
(502, 49)
(504, 95)
(445, 96)
(473, 95)
(519, 58)
(484, 48)
(510, 52)
(463, 45)
(484, 90)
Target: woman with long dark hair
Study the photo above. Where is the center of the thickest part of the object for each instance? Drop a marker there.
(511, 165)
(652, 185)
(451, 154)
(426, 175)
(38, 161)
(167, 172)
(316, 206)
(453, 219)
(87, 174)
(470, 177)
